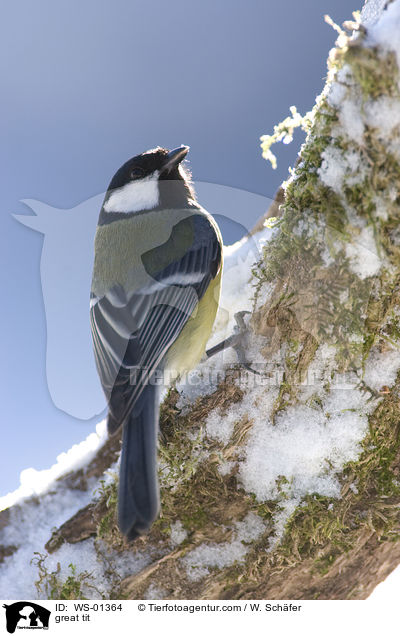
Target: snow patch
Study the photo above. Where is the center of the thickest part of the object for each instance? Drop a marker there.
(332, 169)
(220, 427)
(307, 446)
(178, 533)
(385, 32)
(225, 467)
(381, 368)
(154, 593)
(32, 520)
(304, 450)
(363, 255)
(222, 555)
(383, 114)
(349, 117)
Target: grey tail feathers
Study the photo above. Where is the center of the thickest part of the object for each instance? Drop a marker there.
(138, 494)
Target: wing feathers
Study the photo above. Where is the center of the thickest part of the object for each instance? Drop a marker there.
(133, 331)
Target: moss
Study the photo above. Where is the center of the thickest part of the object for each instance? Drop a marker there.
(374, 71)
(309, 203)
(334, 524)
(107, 526)
(52, 586)
(329, 303)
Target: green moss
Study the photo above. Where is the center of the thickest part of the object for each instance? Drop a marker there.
(107, 526)
(266, 510)
(374, 71)
(51, 585)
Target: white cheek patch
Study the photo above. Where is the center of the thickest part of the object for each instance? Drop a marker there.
(142, 194)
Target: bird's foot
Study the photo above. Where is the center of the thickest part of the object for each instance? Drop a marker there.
(236, 341)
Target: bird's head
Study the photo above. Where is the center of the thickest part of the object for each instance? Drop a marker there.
(153, 179)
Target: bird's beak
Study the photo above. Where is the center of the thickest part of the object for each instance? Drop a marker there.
(174, 157)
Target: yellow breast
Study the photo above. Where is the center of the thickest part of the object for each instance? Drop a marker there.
(190, 345)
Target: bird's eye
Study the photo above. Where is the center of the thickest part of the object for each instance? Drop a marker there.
(137, 173)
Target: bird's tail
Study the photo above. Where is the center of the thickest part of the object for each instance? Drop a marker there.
(138, 495)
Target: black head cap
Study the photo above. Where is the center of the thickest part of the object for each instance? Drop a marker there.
(165, 162)
(173, 181)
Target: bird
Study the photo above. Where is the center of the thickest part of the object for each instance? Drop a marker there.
(154, 297)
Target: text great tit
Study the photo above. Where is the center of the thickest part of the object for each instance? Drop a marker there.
(155, 292)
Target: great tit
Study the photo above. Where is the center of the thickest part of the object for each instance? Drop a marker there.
(155, 293)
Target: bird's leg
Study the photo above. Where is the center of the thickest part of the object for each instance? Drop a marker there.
(236, 342)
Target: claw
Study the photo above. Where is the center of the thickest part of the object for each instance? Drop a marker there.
(236, 342)
(239, 317)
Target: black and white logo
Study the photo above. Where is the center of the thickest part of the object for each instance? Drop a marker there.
(26, 615)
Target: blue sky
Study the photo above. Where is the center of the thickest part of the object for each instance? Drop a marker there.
(87, 85)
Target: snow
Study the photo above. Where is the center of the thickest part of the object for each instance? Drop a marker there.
(225, 467)
(363, 255)
(385, 32)
(349, 117)
(220, 427)
(337, 168)
(383, 114)
(178, 533)
(381, 368)
(308, 446)
(154, 592)
(41, 504)
(333, 168)
(305, 449)
(221, 555)
(85, 558)
(30, 527)
(37, 482)
(337, 91)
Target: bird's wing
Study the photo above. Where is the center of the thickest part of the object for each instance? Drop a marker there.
(133, 332)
